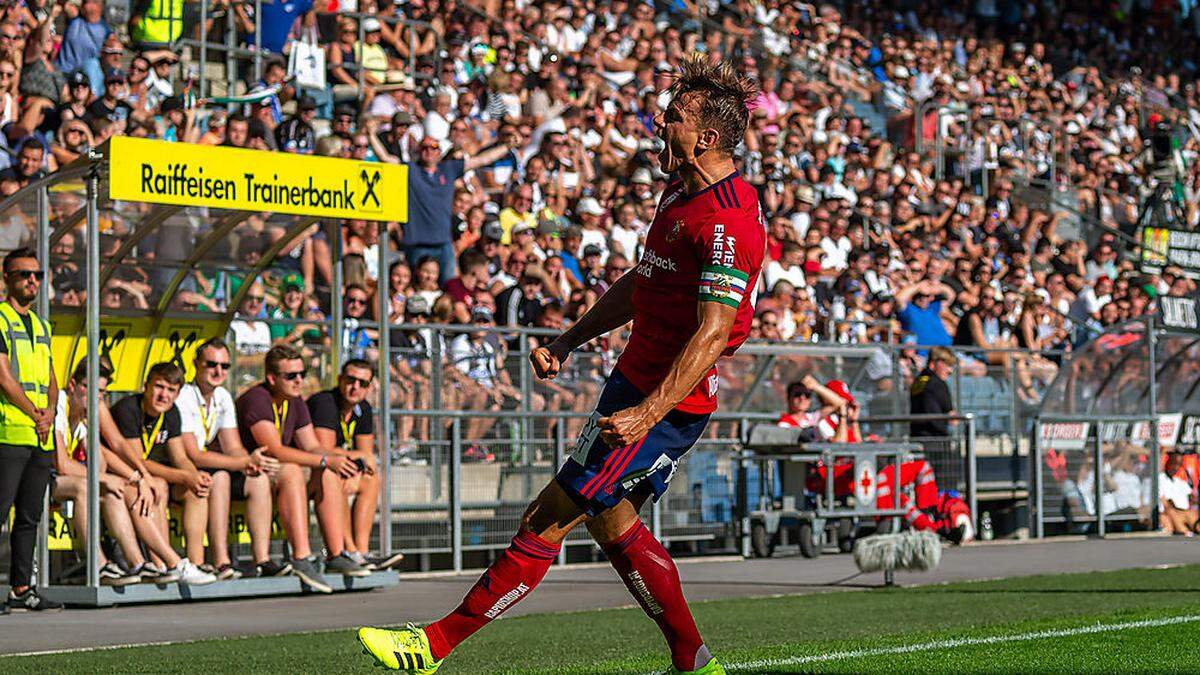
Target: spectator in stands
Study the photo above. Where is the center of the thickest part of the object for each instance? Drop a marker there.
(151, 425)
(521, 303)
(111, 105)
(358, 341)
(920, 311)
(827, 419)
(28, 166)
(1179, 514)
(930, 395)
(473, 276)
(251, 336)
(82, 42)
(271, 415)
(210, 433)
(431, 193)
(342, 418)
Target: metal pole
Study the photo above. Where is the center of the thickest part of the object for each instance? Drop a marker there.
(972, 477)
(257, 41)
(455, 493)
(231, 69)
(358, 58)
(1036, 523)
(1155, 450)
(559, 449)
(337, 314)
(93, 368)
(435, 403)
(385, 385)
(656, 518)
(204, 46)
(1098, 477)
(43, 310)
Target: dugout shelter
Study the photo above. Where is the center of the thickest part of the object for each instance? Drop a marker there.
(1117, 405)
(147, 245)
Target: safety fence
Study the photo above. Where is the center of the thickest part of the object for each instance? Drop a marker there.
(463, 493)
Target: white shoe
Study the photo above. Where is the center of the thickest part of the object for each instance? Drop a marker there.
(191, 575)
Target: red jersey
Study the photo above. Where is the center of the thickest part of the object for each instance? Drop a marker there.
(703, 247)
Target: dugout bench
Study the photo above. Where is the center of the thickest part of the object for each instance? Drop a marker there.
(794, 513)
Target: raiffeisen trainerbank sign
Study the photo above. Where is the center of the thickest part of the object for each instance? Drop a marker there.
(145, 170)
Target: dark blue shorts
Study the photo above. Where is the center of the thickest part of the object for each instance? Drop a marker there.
(598, 477)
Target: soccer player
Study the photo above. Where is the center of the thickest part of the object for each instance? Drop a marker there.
(690, 300)
(210, 434)
(342, 418)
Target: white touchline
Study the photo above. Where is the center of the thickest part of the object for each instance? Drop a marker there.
(961, 642)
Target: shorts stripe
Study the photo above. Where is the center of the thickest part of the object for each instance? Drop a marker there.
(620, 457)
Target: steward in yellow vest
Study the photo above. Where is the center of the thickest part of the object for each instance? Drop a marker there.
(27, 390)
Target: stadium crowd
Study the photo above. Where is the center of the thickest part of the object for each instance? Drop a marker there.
(529, 132)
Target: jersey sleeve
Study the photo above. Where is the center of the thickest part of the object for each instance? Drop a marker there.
(730, 251)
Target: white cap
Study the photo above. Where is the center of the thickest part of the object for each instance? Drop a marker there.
(901, 71)
(590, 206)
(642, 176)
(371, 24)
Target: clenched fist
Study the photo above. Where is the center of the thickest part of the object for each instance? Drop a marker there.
(548, 360)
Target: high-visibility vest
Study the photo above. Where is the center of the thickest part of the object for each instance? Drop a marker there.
(29, 362)
(162, 22)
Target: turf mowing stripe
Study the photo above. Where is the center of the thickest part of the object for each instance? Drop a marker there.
(961, 642)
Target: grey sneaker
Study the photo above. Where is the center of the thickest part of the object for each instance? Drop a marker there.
(112, 575)
(387, 562)
(306, 569)
(149, 573)
(344, 565)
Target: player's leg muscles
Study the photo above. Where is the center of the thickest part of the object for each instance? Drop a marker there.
(651, 577)
(515, 573)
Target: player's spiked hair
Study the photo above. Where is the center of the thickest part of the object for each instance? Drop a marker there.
(725, 96)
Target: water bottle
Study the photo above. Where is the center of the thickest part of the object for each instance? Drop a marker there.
(985, 527)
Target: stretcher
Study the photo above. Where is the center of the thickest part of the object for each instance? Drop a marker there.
(804, 503)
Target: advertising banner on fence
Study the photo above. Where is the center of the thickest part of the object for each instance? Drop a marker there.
(1138, 433)
(1064, 435)
(1162, 247)
(143, 170)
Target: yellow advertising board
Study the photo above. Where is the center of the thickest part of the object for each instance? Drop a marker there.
(159, 172)
(129, 346)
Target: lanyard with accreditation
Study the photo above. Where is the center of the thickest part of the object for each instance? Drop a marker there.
(148, 439)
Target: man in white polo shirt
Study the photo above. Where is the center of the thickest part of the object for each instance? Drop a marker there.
(211, 437)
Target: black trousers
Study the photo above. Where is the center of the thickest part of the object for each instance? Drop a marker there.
(24, 476)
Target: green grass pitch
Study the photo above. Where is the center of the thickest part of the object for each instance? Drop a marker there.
(1133, 620)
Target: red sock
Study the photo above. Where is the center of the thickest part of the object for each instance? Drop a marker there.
(650, 575)
(514, 574)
